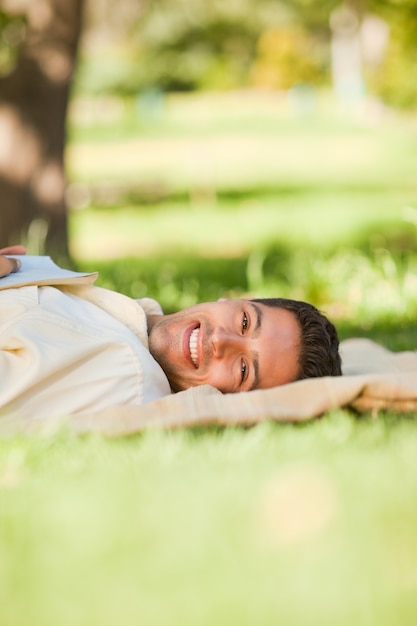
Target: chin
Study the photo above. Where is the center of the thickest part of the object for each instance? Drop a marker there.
(177, 387)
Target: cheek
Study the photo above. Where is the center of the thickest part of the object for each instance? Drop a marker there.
(217, 376)
(221, 377)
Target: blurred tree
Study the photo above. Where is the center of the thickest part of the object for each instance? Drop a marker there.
(185, 45)
(39, 43)
(135, 45)
(287, 57)
(194, 44)
(395, 80)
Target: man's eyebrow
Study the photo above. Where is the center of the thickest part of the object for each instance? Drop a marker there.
(255, 359)
(258, 316)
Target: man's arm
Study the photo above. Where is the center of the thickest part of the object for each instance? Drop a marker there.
(8, 266)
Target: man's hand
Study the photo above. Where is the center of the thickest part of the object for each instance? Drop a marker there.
(7, 266)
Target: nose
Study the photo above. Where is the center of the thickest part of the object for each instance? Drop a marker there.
(224, 341)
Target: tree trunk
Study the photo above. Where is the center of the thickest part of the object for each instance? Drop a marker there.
(33, 107)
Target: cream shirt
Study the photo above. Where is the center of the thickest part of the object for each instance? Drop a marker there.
(74, 349)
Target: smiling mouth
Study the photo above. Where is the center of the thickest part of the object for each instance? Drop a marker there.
(193, 342)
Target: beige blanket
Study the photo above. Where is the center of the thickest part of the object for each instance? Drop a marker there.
(374, 379)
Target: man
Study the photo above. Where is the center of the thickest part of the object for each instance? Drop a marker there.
(73, 348)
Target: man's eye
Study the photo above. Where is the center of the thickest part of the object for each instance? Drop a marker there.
(243, 370)
(245, 323)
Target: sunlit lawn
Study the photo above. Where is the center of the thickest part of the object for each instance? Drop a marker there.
(279, 524)
(276, 524)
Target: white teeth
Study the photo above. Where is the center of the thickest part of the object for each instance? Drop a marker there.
(193, 346)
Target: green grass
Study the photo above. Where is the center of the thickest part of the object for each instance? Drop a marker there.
(300, 525)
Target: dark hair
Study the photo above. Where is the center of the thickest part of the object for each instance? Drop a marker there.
(319, 353)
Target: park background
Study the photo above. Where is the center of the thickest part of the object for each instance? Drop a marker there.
(191, 150)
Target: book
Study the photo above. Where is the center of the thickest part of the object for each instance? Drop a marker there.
(42, 270)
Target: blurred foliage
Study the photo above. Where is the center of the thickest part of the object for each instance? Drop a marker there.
(287, 56)
(395, 82)
(175, 45)
(178, 45)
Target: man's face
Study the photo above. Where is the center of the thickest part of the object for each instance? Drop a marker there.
(233, 345)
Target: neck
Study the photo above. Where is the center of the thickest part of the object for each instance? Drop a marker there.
(151, 320)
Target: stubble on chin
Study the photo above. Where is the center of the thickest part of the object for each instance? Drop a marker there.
(159, 349)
